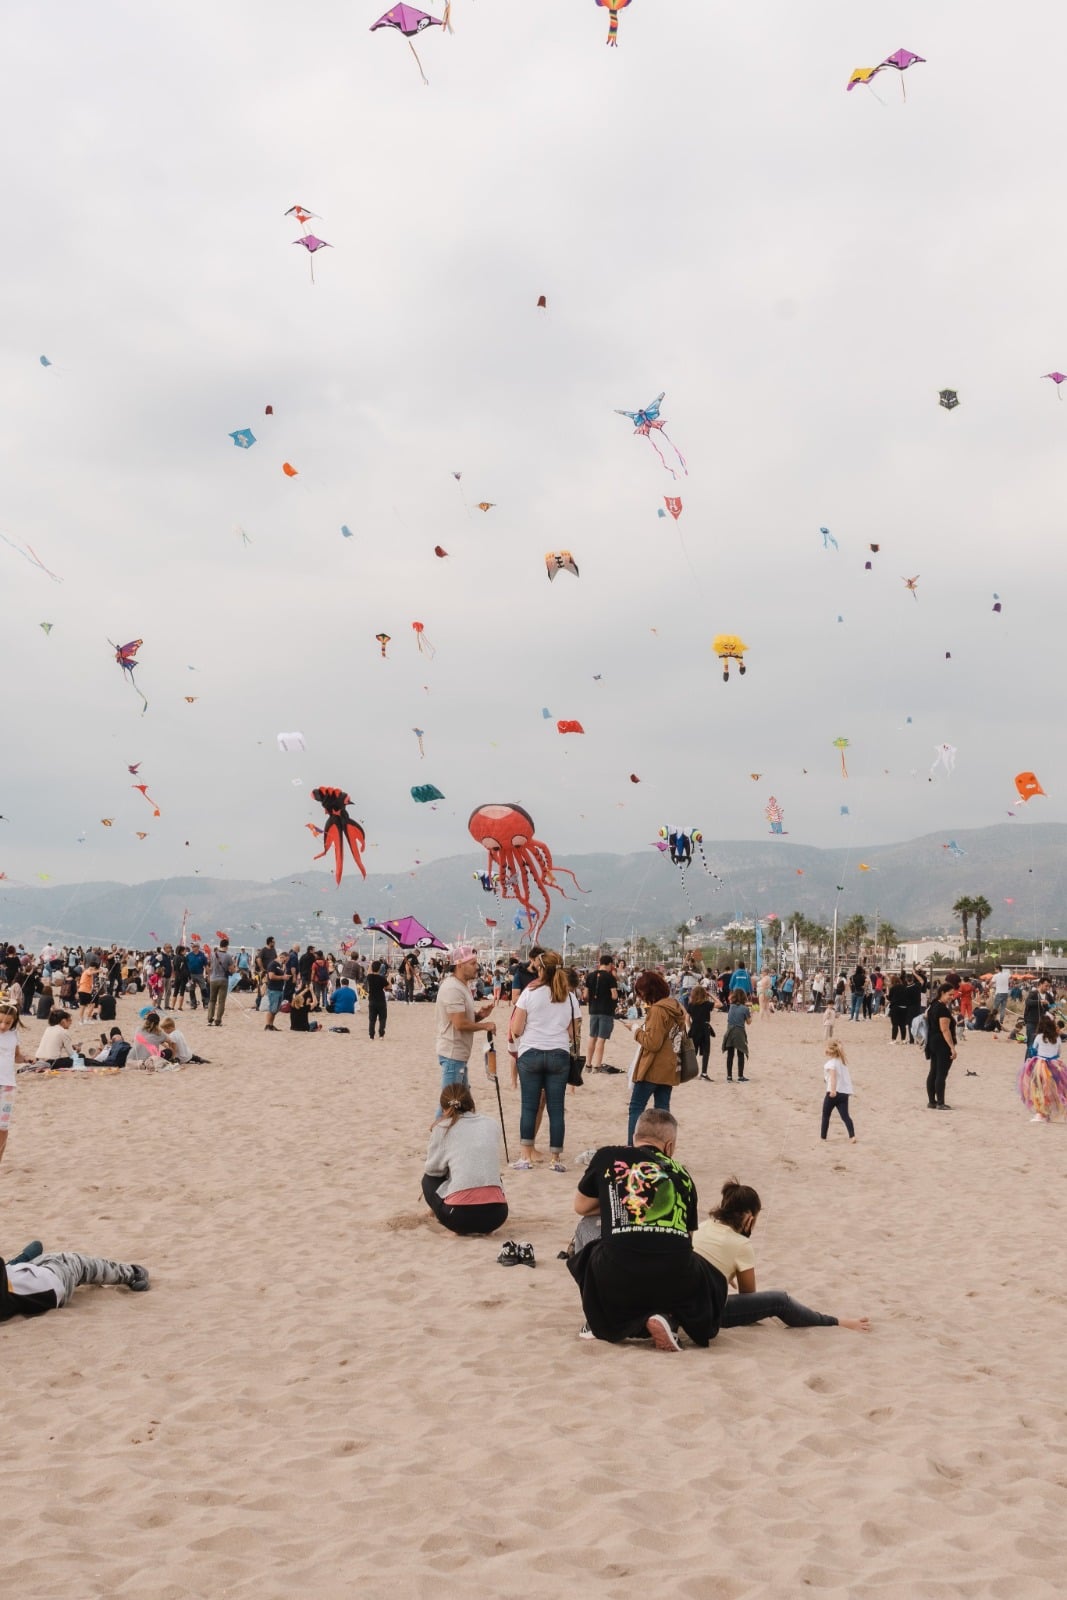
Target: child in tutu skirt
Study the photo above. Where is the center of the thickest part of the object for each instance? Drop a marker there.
(1042, 1080)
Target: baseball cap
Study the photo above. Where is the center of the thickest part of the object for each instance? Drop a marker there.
(462, 952)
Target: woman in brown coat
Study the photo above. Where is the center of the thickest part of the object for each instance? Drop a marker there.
(656, 1070)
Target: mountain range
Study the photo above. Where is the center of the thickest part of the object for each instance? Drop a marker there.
(912, 885)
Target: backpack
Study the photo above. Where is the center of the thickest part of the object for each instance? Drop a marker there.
(685, 1050)
(920, 1030)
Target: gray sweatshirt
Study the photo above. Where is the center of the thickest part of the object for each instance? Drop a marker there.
(467, 1154)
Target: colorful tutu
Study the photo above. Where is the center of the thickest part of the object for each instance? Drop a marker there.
(1043, 1087)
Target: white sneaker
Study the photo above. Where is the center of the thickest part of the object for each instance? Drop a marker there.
(585, 1332)
(661, 1333)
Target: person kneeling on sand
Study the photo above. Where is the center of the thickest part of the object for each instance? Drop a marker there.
(461, 1182)
(641, 1276)
(34, 1283)
(724, 1241)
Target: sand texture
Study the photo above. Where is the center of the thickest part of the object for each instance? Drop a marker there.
(326, 1395)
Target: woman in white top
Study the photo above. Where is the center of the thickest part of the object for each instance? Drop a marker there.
(54, 1050)
(543, 1027)
(724, 1241)
(11, 1057)
(838, 1089)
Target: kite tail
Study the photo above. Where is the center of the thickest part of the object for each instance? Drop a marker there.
(426, 81)
(844, 769)
(662, 457)
(446, 21)
(676, 450)
(613, 30)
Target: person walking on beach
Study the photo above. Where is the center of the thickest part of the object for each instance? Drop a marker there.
(701, 1031)
(455, 1015)
(11, 1058)
(655, 1070)
(603, 994)
(940, 1047)
(219, 982)
(377, 1002)
(857, 986)
(838, 1089)
(735, 1039)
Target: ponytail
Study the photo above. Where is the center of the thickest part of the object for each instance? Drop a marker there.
(554, 974)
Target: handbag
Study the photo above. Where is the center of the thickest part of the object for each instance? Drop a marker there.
(574, 1075)
(685, 1049)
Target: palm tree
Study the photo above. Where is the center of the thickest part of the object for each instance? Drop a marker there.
(964, 909)
(889, 937)
(854, 932)
(981, 910)
(682, 930)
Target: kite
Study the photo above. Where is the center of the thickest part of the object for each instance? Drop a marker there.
(1057, 378)
(126, 657)
(420, 735)
(44, 361)
(569, 727)
(346, 531)
(863, 867)
(874, 547)
(542, 305)
(190, 700)
(425, 647)
(312, 828)
(648, 421)
(290, 743)
(107, 821)
(843, 811)
(139, 835)
(953, 848)
(679, 847)
(524, 863)
(135, 769)
(828, 539)
(634, 778)
(408, 21)
(948, 398)
(312, 243)
(302, 215)
(289, 470)
(439, 552)
(422, 792)
(912, 584)
(728, 647)
(383, 640)
(546, 713)
(755, 776)
(901, 60)
(487, 882)
(268, 411)
(944, 756)
(559, 561)
(243, 438)
(1027, 785)
(486, 505)
(996, 602)
(862, 75)
(46, 627)
(339, 827)
(28, 553)
(842, 745)
(409, 934)
(775, 815)
(673, 504)
(614, 7)
(144, 790)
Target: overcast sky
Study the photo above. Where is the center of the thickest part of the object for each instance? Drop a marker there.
(708, 213)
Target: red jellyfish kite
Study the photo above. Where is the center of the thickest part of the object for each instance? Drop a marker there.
(339, 827)
(1027, 785)
(614, 7)
(425, 647)
(408, 21)
(524, 864)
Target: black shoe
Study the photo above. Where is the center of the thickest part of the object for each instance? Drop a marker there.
(932, 1106)
(140, 1280)
(943, 1107)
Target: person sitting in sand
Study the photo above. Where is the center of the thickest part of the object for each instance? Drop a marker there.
(461, 1180)
(641, 1277)
(113, 1050)
(151, 1044)
(54, 1048)
(174, 1036)
(34, 1282)
(724, 1241)
(301, 1003)
(343, 1001)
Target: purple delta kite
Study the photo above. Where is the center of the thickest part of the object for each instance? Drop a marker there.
(311, 243)
(409, 934)
(1057, 378)
(900, 60)
(409, 21)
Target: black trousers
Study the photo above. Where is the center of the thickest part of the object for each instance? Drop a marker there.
(464, 1219)
(940, 1062)
(838, 1103)
(900, 1026)
(376, 1013)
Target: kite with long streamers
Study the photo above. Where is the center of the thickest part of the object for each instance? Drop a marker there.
(126, 657)
(842, 745)
(523, 863)
(408, 933)
(775, 815)
(944, 756)
(409, 21)
(559, 561)
(425, 647)
(614, 7)
(383, 640)
(679, 846)
(339, 827)
(828, 539)
(647, 422)
(28, 553)
(143, 787)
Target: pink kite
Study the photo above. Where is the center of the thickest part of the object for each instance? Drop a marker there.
(409, 21)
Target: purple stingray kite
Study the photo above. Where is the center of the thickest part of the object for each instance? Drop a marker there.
(409, 21)
(1057, 378)
(901, 60)
(409, 934)
(648, 421)
(311, 243)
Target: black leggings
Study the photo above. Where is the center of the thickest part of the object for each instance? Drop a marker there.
(935, 1078)
(741, 1059)
(702, 1046)
(376, 1012)
(838, 1103)
(900, 1026)
(741, 1310)
(464, 1219)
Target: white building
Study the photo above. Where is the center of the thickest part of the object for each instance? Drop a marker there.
(917, 952)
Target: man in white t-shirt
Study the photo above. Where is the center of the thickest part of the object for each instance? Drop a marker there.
(1001, 990)
(456, 1017)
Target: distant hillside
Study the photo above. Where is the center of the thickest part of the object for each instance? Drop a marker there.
(1018, 867)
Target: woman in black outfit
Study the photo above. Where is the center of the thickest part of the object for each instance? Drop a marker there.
(699, 1006)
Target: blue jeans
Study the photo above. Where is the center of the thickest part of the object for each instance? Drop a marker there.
(547, 1070)
(857, 1002)
(642, 1093)
(451, 1072)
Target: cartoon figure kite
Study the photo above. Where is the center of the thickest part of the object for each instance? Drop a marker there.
(408, 21)
(948, 398)
(728, 647)
(560, 561)
(614, 7)
(1027, 785)
(339, 827)
(523, 863)
(647, 422)
(775, 815)
(842, 745)
(126, 656)
(679, 846)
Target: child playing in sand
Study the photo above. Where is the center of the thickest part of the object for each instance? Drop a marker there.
(838, 1088)
(724, 1241)
(11, 1057)
(735, 1039)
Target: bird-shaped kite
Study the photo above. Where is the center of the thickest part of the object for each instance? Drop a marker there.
(143, 787)
(728, 647)
(647, 422)
(409, 21)
(912, 584)
(126, 656)
(339, 827)
(559, 561)
(614, 7)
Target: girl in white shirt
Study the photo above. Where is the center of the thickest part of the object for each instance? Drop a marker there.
(1042, 1080)
(838, 1088)
(11, 1057)
(724, 1241)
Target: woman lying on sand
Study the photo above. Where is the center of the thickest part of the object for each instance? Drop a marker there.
(724, 1241)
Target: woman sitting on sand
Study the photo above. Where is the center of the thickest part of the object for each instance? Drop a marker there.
(461, 1182)
(724, 1241)
(54, 1048)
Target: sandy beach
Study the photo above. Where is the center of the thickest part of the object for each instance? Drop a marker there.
(326, 1395)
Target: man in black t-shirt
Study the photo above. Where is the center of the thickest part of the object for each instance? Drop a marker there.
(642, 1277)
(603, 992)
(940, 1046)
(377, 1004)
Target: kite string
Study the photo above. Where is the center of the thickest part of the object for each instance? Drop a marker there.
(418, 63)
